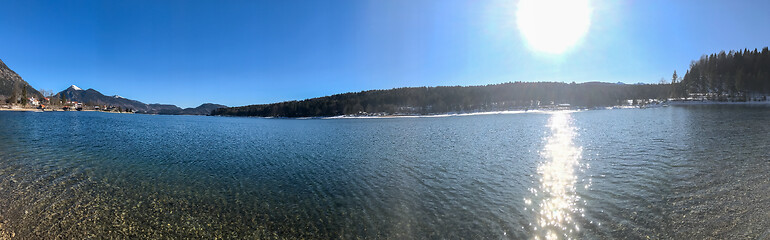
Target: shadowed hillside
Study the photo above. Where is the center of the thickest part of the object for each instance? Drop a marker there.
(13, 87)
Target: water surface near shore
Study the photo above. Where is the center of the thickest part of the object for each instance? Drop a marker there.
(685, 171)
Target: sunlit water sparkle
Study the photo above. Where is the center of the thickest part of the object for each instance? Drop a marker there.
(558, 201)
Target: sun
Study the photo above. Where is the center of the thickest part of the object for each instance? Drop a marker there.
(553, 26)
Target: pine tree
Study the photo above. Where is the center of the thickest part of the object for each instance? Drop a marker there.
(674, 77)
(24, 96)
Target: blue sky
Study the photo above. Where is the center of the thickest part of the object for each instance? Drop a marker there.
(249, 52)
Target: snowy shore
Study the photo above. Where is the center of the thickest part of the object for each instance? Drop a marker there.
(539, 111)
(709, 102)
(664, 104)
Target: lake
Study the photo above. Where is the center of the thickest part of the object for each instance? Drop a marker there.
(680, 172)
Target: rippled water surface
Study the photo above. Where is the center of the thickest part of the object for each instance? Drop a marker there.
(677, 173)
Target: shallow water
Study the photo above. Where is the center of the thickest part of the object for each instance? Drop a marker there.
(676, 172)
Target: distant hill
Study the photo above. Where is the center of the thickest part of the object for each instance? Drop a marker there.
(443, 99)
(11, 85)
(92, 97)
(165, 109)
(203, 109)
(168, 109)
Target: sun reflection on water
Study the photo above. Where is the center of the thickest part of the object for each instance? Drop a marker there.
(555, 197)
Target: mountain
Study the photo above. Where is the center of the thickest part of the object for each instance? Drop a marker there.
(92, 97)
(11, 85)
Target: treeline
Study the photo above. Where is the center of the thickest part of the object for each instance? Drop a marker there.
(428, 100)
(736, 73)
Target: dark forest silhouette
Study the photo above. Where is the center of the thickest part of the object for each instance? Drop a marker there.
(722, 76)
(428, 100)
(736, 74)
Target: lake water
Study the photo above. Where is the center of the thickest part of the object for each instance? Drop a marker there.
(678, 172)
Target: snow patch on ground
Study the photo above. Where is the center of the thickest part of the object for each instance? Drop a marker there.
(716, 102)
(446, 114)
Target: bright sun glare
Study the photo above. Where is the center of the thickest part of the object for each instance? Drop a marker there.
(553, 26)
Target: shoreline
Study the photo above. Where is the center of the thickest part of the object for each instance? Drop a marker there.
(52, 110)
(709, 102)
(507, 112)
(21, 109)
(544, 110)
(453, 114)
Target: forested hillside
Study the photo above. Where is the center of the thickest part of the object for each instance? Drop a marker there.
(732, 73)
(427, 100)
(735, 75)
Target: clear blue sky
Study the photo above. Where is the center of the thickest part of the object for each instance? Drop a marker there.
(248, 52)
